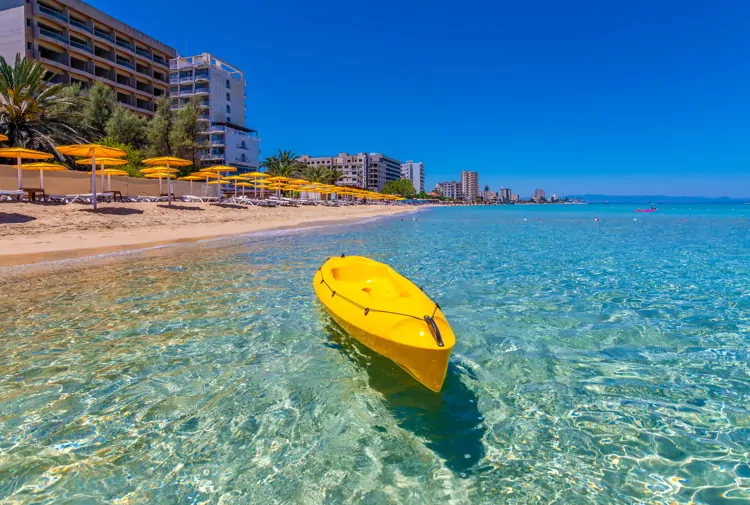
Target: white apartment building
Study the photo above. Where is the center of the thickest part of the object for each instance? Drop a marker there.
(505, 195)
(353, 167)
(220, 91)
(415, 173)
(449, 189)
(470, 185)
(362, 170)
(79, 44)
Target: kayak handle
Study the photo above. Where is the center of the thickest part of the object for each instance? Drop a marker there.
(434, 330)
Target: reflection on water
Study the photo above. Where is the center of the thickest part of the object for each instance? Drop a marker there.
(596, 363)
(449, 421)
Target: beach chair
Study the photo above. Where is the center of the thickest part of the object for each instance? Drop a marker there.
(11, 194)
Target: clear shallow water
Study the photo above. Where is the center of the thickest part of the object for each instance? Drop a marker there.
(596, 363)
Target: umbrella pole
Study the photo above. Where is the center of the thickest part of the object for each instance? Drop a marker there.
(93, 179)
(102, 178)
(41, 179)
(169, 186)
(191, 187)
(19, 176)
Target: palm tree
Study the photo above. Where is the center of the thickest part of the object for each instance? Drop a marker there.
(34, 113)
(283, 163)
(332, 175)
(315, 174)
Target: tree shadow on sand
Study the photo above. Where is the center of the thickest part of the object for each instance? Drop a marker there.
(114, 211)
(180, 207)
(449, 421)
(15, 218)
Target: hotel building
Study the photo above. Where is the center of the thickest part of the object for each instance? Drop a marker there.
(449, 189)
(469, 185)
(382, 169)
(538, 195)
(219, 89)
(505, 195)
(370, 171)
(79, 44)
(415, 173)
(353, 167)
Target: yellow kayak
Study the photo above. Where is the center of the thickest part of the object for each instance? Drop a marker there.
(389, 314)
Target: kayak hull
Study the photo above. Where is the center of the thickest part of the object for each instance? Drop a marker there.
(391, 325)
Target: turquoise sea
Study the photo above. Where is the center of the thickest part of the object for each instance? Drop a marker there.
(597, 363)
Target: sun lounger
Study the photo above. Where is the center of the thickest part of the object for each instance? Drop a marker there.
(11, 194)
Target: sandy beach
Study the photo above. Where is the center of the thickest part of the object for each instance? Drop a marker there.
(31, 233)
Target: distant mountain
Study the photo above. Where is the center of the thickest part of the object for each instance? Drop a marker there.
(656, 199)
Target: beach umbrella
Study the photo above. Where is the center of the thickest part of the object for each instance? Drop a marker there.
(235, 179)
(92, 151)
(20, 153)
(102, 163)
(169, 162)
(109, 172)
(43, 167)
(244, 185)
(3, 138)
(197, 176)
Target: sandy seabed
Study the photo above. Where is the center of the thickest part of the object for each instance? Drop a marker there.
(31, 233)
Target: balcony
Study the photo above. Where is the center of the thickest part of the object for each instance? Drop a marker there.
(53, 13)
(81, 25)
(125, 63)
(218, 128)
(185, 92)
(143, 52)
(124, 44)
(103, 35)
(186, 78)
(201, 89)
(52, 34)
(201, 75)
(159, 59)
(81, 45)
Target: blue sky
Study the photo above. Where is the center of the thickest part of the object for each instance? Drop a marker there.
(635, 97)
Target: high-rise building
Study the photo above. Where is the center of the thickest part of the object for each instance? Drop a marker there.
(352, 167)
(415, 173)
(449, 189)
(79, 44)
(538, 195)
(382, 169)
(489, 195)
(219, 90)
(505, 195)
(469, 185)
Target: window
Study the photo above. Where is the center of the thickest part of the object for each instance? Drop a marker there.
(229, 97)
(229, 109)
(28, 21)
(229, 119)
(28, 46)
(229, 86)
(243, 145)
(243, 157)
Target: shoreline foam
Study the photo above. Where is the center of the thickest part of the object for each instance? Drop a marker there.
(52, 233)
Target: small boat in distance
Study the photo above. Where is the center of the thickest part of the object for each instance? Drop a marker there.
(389, 314)
(651, 209)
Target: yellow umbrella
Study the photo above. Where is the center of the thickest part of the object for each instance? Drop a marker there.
(219, 181)
(3, 138)
(109, 172)
(219, 168)
(92, 151)
(43, 167)
(244, 185)
(169, 161)
(154, 170)
(278, 178)
(157, 175)
(20, 153)
(103, 162)
(256, 174)
(197, 176)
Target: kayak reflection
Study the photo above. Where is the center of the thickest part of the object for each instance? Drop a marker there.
(449, 421)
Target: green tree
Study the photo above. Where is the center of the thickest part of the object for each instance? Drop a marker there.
(184, 135)
(283, 164)
(422, 195)
(401, 187)
(332, 175)
(159, 129)
(126, 127)
(134, 156)
(98, 107)
(34, 113)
